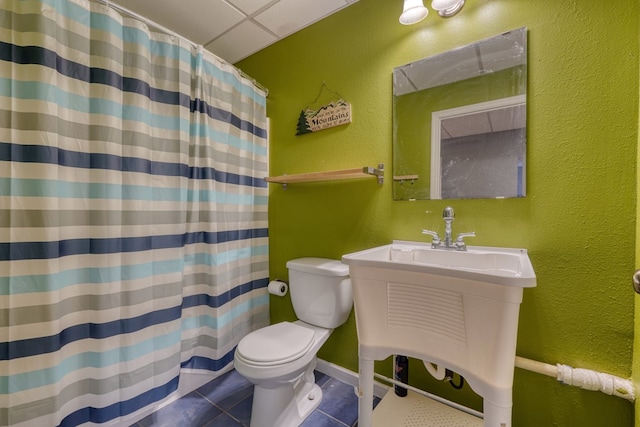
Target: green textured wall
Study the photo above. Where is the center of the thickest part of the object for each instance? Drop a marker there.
(636, 341)
(578, 219)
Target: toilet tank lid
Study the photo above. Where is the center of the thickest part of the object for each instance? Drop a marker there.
(323, 266)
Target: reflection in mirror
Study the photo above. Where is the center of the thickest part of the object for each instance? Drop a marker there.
(460, 122)
(481, 150)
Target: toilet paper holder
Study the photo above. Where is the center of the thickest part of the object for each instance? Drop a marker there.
(278, 287)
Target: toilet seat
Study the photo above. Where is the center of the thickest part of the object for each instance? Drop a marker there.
(275, 344)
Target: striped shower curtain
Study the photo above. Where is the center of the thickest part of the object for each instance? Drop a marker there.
(133, 213)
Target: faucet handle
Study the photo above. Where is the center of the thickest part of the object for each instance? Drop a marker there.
(448, 213)
(436, 237)
(460, 243)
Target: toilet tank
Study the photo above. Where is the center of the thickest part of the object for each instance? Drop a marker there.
(320, 291)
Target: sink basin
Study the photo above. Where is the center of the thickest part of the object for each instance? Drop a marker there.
(502, 266)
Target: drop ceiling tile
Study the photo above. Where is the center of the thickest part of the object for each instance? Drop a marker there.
(249, 7)
(472, 124)
(197, 20)
(288, 16)
(508, 118)
(240, 42)
(220, 24)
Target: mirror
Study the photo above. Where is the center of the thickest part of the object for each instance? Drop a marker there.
(459, 122)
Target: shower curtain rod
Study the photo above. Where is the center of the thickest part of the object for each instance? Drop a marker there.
(165, 30)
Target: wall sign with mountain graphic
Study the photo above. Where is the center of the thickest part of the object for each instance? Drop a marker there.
(334, 114)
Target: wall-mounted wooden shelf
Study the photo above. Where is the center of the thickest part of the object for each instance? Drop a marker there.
(405, 177)
(364, 172)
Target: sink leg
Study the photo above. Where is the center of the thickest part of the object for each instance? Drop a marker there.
(496, 415)
(365, 403)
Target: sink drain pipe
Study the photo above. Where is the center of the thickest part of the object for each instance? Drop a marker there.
(583, 378)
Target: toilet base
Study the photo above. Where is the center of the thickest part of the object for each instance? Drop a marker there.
(288, 405)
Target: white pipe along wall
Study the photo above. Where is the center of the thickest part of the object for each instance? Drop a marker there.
(583, 378)
(578, 377)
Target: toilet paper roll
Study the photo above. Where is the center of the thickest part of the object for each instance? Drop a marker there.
(277, 287)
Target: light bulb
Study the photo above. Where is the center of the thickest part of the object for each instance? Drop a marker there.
(413, 12)
(447, 8)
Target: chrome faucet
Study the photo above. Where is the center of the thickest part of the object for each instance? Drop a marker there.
(448, 215)
(448, 243)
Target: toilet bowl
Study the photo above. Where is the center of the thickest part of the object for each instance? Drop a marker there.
(280, 359)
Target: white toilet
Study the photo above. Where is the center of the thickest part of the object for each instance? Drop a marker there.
(279, 359)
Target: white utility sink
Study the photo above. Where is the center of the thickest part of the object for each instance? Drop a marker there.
(502, 266)
(455, 309)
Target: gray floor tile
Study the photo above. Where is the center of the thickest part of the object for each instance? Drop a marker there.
(339, 401)
(242, 411)
(191, 410)
(224, 420)
(227, 401)
(318, 419)
(227, 390)
(321, 378)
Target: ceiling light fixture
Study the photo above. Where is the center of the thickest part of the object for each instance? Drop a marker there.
(413, 12)
(447, 8)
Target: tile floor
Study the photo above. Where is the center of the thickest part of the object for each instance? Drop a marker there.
(226, 402)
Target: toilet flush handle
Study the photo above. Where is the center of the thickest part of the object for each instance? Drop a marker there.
(636, 281)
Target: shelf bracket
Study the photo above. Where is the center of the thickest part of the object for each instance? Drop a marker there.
(379, 172)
